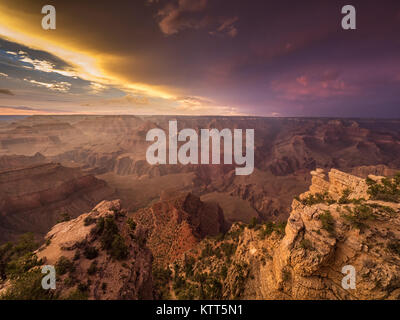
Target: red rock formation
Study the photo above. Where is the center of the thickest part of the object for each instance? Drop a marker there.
(175, 225)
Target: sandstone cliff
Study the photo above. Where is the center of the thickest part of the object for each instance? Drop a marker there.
(321, 238)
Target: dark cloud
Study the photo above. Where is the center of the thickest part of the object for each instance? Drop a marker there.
(263, 57)
(194, 14)
(175, 17)
(227, 27)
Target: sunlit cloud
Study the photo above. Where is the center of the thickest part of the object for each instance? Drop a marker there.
(44, 66)
(57, 86)
(86, 64)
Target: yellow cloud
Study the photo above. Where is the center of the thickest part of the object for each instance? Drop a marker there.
(17, 26)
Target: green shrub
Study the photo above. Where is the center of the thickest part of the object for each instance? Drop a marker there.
(78, 295)
(92, 268)
(131, 223)
(99, 225)
(110, 230)
(20, 265)
(84, 287)
(387, 190)
(64, 217)
(63, 265)
(328, 223)
(118, 250)
(224, 271)
(28, 286)
(90, 252)
(88, 221)
(306, 244)
(358, 216)
(394, 246)
(207, 251)
(280, 228)
(317, 198)
(286, 275)
(212, 288)
(270, 227)
(17, 258)
(381, 208)
(228, 249)
(344, 199)
(161, 278)
(77, 255)
(253, 222)
(69, 282)
(188, 266)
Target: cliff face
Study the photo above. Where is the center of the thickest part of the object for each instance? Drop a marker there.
(337, 184)
(33, 198)
(19, 161)
(98, 256)
(321, 238)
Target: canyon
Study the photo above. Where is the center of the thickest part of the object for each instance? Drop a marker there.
(180, 248)
(176, 231)
(113, 150)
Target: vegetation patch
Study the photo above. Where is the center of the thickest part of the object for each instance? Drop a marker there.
(161, 279)
(28, 287)
(131, 224)
(17, 258)
(92, 268)
(306, 244)
(64, 217)
(64, 265)
(358, 217)
(270, 227)
(110, 239)
(328, 223)
(17, 264)
(78, 294)
(90, 252)
(394, 246)
(316, 198)
(387, 190)
(89, 221)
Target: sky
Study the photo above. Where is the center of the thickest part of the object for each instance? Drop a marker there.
(201, 57)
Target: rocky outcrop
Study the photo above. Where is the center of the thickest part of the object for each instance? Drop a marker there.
(98, 256)
(322, 238)
(177, 223)
(338, 183)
